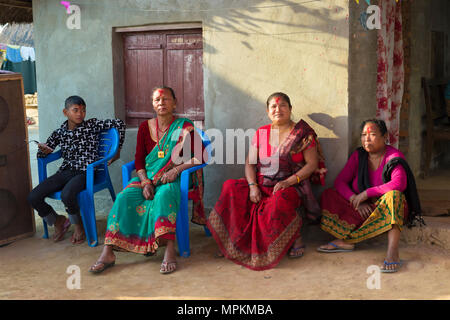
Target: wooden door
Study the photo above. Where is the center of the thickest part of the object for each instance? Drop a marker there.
(172, 58)
(16, 215)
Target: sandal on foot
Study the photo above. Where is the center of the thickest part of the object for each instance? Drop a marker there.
(80, 240)
(60, 236)
(103, 266)
(168, 267)
(335, 249)
(387, 264)
(296, 252)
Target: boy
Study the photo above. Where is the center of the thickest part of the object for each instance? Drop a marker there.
(79, 145)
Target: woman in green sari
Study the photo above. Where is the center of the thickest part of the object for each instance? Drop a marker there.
(144, 214)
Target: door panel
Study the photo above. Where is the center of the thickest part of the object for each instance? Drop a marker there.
(174, 76)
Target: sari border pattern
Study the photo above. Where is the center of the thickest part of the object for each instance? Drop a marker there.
(258, 262)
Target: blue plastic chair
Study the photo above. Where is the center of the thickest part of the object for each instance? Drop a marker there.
(182, 230)
(107, 148)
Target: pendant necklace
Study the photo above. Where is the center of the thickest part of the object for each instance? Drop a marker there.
(161, 153)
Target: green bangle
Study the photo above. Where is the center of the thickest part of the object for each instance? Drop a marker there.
(252, 184)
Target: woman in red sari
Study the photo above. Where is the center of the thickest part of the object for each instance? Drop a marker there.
(255, 221)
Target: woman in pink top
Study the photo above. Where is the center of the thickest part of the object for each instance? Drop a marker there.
(361, 205)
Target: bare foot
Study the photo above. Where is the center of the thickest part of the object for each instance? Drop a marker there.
(170, 254)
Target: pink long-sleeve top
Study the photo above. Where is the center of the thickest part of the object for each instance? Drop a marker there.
(349, 176)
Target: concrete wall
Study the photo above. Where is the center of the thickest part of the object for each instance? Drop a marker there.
(362, 74)
(251, 49)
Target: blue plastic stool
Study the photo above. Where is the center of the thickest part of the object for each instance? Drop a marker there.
(107, 148)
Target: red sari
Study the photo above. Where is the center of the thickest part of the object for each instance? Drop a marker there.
(258, 235)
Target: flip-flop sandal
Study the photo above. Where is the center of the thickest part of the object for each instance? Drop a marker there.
(297, 255)
(100, 270)
(336, 249)
(386, 264)
(166, 267)
(60, 236)
(81, 240)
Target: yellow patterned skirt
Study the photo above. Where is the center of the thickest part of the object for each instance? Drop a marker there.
(341, 220)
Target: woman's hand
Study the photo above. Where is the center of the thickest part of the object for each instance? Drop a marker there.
(358, 199)
(364, 210)
(281, 185)
(44, 148)
(148, 192)
(255, 194)
(169, 176)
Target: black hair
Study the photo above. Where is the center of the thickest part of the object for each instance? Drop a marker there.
(70, 101)
(282, 95)
(379, 123)
(164, 87)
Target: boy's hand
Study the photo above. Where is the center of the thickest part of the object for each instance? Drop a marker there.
(117, 156)
(44, 148)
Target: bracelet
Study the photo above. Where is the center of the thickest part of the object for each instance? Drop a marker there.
(176, 170)
(146, 182)
(252, 184)
(298, 179)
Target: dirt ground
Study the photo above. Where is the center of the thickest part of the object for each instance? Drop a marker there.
(36, 268)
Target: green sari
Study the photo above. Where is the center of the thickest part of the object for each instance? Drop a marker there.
(134, 223)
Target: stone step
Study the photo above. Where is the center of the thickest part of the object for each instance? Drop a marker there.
(435, 202)
(435, 233)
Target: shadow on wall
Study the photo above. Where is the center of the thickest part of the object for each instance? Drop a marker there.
(244, 20)
(335, 155)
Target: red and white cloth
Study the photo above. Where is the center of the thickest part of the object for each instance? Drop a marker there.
(390, 76)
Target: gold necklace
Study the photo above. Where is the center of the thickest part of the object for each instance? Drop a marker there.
(380, 158)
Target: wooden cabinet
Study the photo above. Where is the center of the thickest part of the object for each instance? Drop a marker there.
(16, 215)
